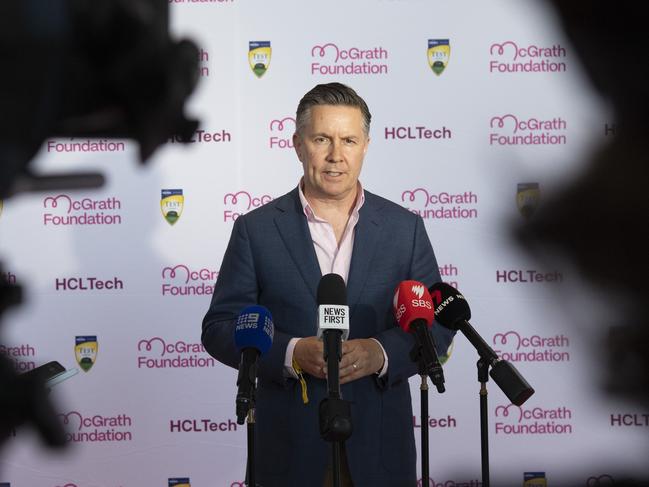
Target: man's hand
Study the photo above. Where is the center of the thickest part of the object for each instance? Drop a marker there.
(309, 354)
(361, 357)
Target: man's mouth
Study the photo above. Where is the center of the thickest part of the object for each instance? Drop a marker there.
(333, 173)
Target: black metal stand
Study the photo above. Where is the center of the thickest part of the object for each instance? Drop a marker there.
(423, 392)
(483, 377)
(250, 464)
(428, 367)
(335, 413)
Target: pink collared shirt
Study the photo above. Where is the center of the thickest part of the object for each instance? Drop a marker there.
(332, 257)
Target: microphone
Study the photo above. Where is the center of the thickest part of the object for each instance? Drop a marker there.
(333, 324)
(413, 309)
(253, 335)
(452, 311)
(333, 327)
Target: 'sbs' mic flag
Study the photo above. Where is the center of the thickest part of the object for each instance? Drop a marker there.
(453, 312)
(413, 309)
(253, 336)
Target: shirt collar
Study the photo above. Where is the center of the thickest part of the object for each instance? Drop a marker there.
(308, 210)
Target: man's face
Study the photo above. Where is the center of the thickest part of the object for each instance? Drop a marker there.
(331, 148)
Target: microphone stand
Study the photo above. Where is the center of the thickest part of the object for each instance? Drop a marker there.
(335, 413)
(250, 464)
(483, 377)
(427, 366)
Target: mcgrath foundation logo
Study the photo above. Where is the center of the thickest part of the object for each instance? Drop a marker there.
(439, 52)
(204, 63)
(85, 351)
(181, 280)
(22, 357)
(259, 53)
(172, 203)
(527, 198)
(281, 133)
(509, 57)
(511, 130)
(442, 205)
(534, 479)
(514, 420)
(449, 483)
(604, 480)
(449, 274)
(241, 202)
(96, 428)
(179, 482)
(62, 210)
(331, 60)
(89, 145)
(158, 353)
(514, 347)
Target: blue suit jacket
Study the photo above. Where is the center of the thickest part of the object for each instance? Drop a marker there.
(270, 260)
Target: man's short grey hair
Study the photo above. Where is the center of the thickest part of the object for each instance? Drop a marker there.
(331, 94)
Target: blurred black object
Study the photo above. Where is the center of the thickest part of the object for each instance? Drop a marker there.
(100, 68)
(79, 68)
(597, 220)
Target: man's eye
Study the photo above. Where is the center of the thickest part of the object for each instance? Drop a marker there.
(320, 140)
(350, 141)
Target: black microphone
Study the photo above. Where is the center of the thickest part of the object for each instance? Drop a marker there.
(253, 335)
(333, 327)
(452, 311)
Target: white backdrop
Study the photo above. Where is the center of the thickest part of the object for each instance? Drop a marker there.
(107, 270)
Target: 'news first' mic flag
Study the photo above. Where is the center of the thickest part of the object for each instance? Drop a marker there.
(333, 312)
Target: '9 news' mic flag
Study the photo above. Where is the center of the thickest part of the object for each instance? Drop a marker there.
(253, 335)
(453, 312)
(413, 309)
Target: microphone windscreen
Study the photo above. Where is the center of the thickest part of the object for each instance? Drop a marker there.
(412, 302)
(451, 308)
(332, 290)
(254, 329)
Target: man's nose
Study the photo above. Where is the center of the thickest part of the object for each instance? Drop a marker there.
(335, 152)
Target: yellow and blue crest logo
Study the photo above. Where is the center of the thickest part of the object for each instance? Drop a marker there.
(179, 482)
(528, 196)
(85, 351)
(534, 479)
(439, 52)
(172, 202)
(259, 57)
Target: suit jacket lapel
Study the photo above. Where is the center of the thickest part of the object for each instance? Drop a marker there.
(366, 239)
(292, 226)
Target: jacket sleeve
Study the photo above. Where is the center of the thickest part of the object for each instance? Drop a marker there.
(237, 287)
(396, 343)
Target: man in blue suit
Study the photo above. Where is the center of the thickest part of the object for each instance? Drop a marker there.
(276, 257)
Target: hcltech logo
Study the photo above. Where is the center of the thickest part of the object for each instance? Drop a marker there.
(85, 351)
(527, 198)
(259, 53)
(172, 202)
(439, 52)
(534, 479)
(179, 482)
